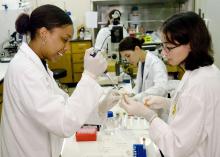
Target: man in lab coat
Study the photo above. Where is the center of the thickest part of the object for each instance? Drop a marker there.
(193, 128)
(37, 114)
(103, 38)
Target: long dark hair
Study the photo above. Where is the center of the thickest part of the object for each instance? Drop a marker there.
(129, 43)
(188, 27)
(48, 16)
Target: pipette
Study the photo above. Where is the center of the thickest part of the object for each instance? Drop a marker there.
(109, 77)
(106, 72)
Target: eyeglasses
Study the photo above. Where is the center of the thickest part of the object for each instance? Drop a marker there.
(168, 48)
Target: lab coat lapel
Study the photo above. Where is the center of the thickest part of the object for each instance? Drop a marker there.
(139, 79)
(146, 72)
(29, 53)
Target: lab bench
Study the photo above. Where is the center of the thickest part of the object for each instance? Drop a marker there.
(129, 130)
(120, 144)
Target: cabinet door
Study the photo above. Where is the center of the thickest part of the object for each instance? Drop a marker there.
(78, 51)
(78, 57)
(78, 67)
(77, 77)
(81, 46)
(63, 62)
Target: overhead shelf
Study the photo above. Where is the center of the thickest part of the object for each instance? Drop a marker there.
(128, 2)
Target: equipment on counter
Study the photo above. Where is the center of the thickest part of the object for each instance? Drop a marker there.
(116, 34)
(10, 47)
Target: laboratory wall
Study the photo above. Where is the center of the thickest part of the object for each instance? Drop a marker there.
(76, 7)
(210, 11)
(7, 18)
(7, 24)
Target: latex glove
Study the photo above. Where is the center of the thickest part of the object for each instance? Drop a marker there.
(110, 100)
(94, 66)
(137, 108)
(157, 102)
(123, 91)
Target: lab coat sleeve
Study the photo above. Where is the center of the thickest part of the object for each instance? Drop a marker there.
(102, 38)
(181, 137)
(51, 110)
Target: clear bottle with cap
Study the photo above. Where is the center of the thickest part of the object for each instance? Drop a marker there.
(110, 124)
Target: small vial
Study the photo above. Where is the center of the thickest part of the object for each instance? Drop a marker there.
(110, 124)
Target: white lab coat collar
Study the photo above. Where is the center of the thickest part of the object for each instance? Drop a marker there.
(29, 53)
(147, 64)
(146, 71)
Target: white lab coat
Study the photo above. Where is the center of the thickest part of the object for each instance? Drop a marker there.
(154, 80)
(37, 114)
(103, 37)
(193, 128)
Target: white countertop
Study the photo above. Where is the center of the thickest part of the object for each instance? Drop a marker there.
(119, 144)
(3, 69)
(131, 131)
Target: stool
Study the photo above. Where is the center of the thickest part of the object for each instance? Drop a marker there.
(58, 74)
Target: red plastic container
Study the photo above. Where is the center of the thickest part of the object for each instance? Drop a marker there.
(86, 134)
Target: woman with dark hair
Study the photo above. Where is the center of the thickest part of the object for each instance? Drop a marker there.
(37, 114)
(152, 75)
(193, 125)
(104, 35)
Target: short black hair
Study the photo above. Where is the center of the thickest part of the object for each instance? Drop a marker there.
(189, 28)
(129, 43)
(48, 16)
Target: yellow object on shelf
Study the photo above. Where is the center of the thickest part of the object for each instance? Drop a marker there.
(147, 39)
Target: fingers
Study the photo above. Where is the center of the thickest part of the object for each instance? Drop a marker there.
(124, 105)
(89, 51)
(125, 98)
(149, 100)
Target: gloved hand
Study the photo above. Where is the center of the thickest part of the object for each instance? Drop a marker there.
(110, 100)
(94, 66)
(157, 102)
(137, 108)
